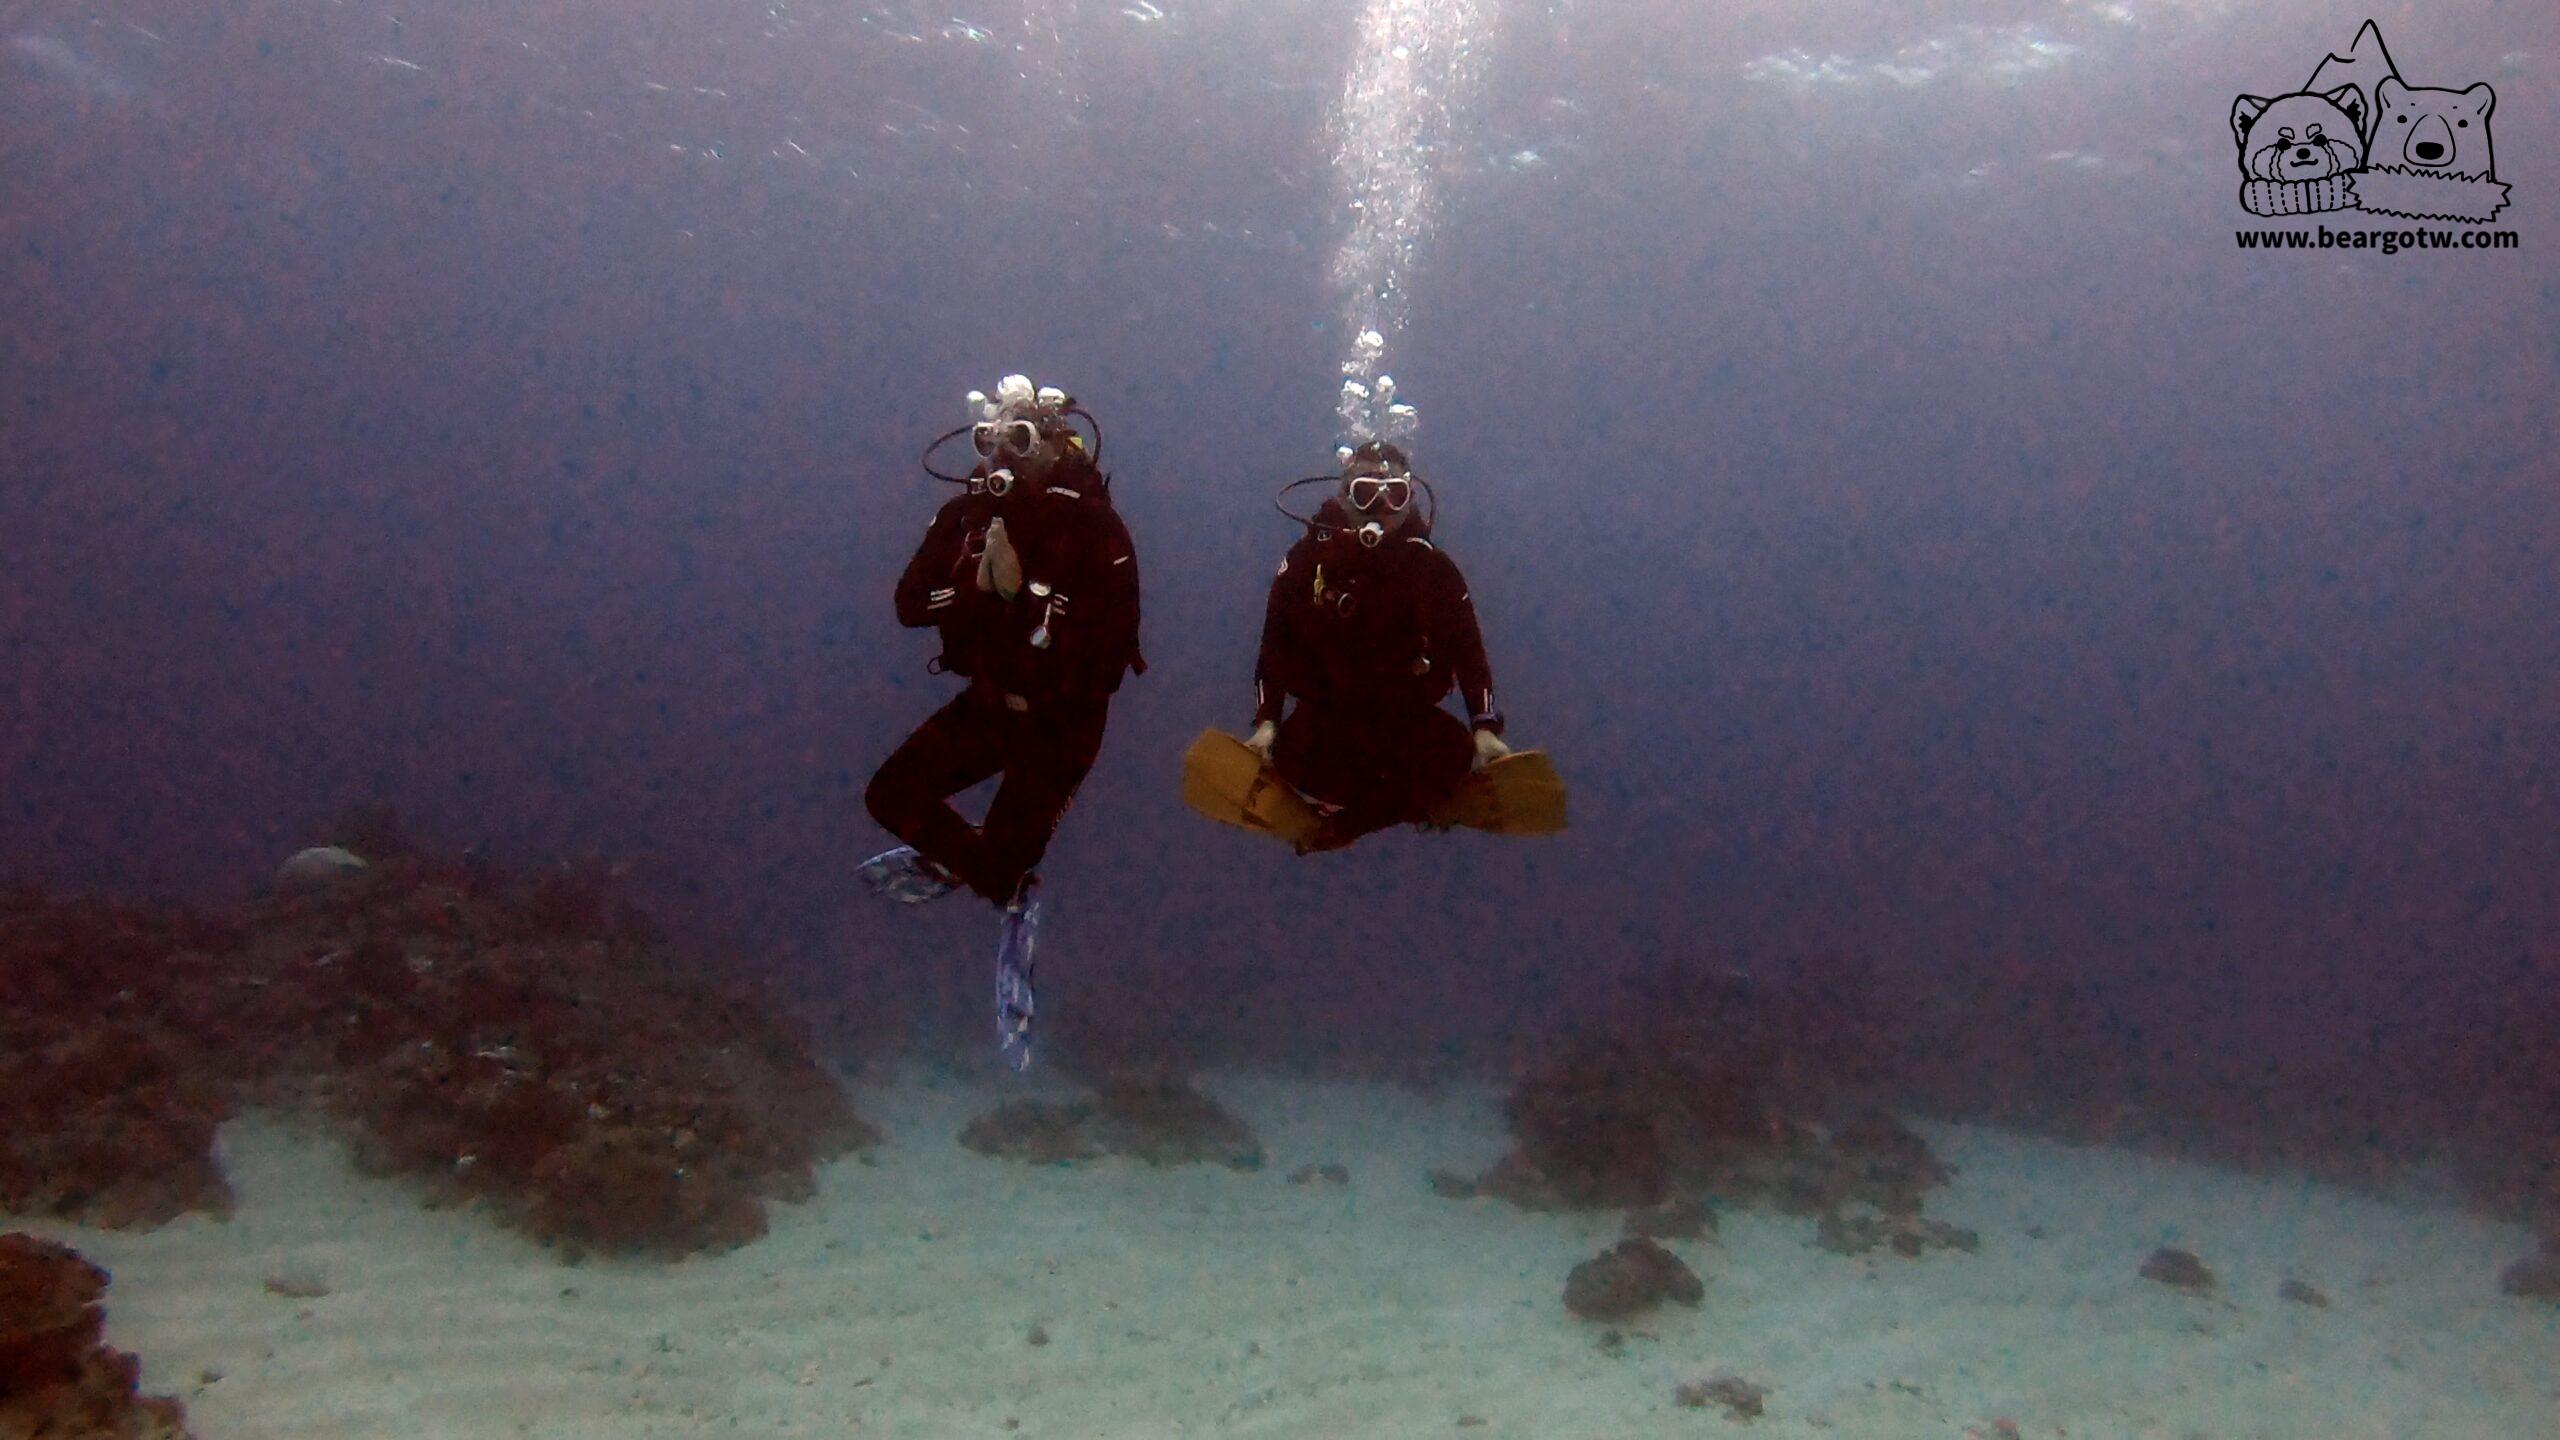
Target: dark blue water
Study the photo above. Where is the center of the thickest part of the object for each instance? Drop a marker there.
(1917, 529)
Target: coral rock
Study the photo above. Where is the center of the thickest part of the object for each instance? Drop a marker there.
(2180, 1270)
(532, 1045)
(56, 1379)
(1629, 1278)
(2536, 1277)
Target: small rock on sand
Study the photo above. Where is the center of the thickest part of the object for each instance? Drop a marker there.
(2178, 1269)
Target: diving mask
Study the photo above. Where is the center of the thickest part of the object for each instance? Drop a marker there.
(1005, 437)
(1020, 422)
(1366, 493)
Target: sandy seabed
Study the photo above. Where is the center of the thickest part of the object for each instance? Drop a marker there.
(906, 1298)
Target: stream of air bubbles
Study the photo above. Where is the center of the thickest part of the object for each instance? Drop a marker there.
(1415, 73)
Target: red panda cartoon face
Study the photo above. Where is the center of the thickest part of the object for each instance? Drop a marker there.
(2299, 137)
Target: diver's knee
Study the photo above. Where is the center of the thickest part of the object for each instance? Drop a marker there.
(885, 797)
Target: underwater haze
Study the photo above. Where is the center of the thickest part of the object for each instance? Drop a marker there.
(1945, 564)
(1911, 522)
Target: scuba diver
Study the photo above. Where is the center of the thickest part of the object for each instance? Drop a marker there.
(1033, 583)
(1369, 626)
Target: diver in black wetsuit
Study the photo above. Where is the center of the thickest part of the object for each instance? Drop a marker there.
(1369, 626)
(1033, 582)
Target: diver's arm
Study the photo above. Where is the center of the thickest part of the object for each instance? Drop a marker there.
(1273, 667)
(940, 580)
(1099, 632)
(1454, 622)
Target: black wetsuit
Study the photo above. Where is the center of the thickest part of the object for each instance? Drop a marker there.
(1369, 642)
(1042, 668)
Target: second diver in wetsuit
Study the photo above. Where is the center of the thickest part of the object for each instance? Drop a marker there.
(1368, 628)
(1033, 582)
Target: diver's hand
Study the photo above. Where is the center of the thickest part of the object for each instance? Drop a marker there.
(999, 568)
(1264, 736)
(1489, 748)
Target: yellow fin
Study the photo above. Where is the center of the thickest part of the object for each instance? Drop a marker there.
(1519, 794)
(1225, 780)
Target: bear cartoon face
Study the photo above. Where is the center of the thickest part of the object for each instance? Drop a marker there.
(2299, 137)
(2445, 131)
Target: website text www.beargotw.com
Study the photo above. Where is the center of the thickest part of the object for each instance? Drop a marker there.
(2389, 242)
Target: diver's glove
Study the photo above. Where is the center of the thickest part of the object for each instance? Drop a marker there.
(999, 568)
(1264, 736)
(1489, 748)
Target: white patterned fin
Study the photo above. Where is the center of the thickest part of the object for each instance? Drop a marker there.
(906, 877)
(1014, 1001)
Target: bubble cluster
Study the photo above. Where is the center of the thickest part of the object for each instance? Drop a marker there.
(1416, 71)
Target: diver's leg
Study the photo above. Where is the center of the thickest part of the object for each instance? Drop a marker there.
(1311, 757)
(1434, 755)
(1048, 759)
(955, 748)
(1345, 759)
(1311, 753)
(1409, 760)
